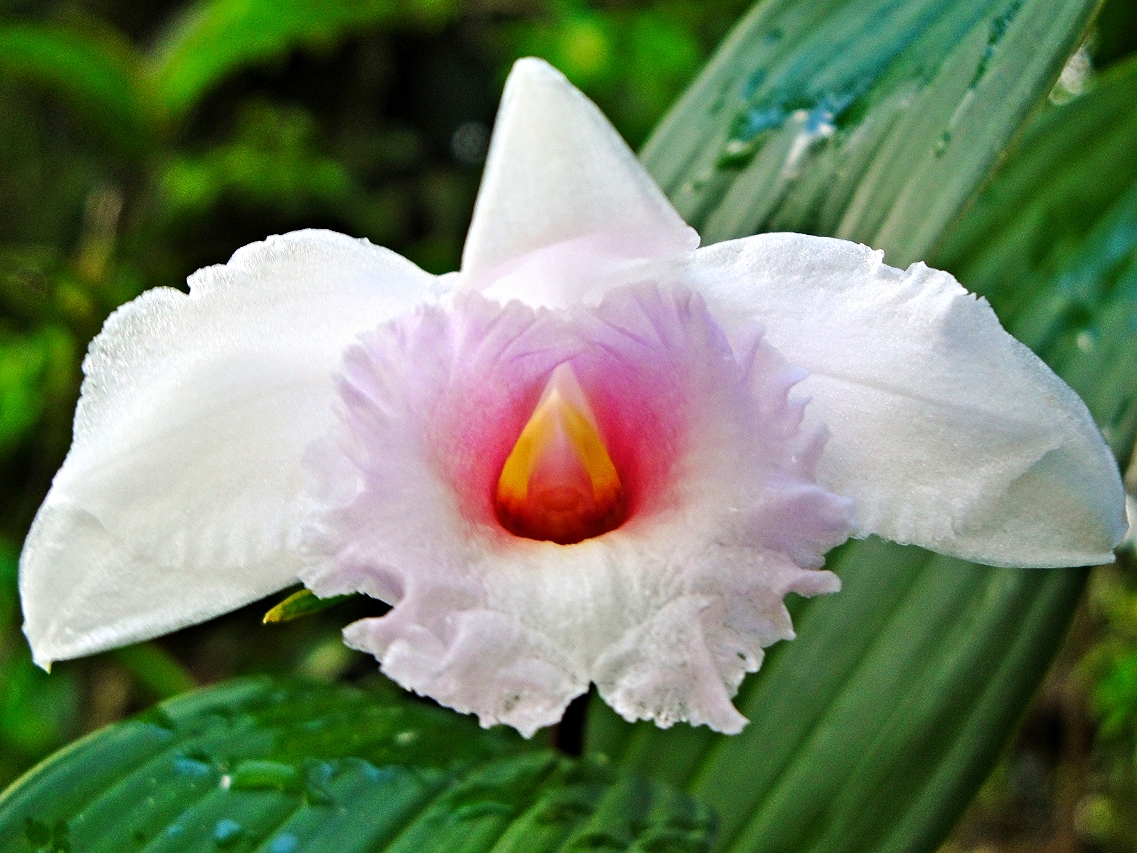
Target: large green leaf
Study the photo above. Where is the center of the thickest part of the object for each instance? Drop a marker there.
(94, 70)
(1044, 207)
(285, 767)
(871, 731)
(214, 38)
(872, 120)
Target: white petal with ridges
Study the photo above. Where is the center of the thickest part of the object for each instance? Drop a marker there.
(177, 501)
(557, 171)
(946, 431)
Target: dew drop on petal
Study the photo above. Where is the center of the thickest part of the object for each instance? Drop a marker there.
(559, 483)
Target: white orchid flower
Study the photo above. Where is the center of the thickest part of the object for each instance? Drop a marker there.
(597, 453)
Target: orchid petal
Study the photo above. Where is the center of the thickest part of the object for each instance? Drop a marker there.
(177, 501)
(557, 171)
(665, 613)
(945, 431)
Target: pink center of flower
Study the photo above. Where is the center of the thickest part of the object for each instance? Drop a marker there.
(559, 482)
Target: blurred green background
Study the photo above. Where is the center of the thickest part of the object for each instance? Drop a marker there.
(140, 141)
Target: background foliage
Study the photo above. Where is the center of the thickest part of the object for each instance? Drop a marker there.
(141, 141)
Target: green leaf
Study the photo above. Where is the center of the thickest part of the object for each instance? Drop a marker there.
(30, 365)
(96, 72)
(1040, 218)
(302, 603)
(872, 120)
(273, 161)
(282, 766)
(872, 730)
(214, 38)
(155, 669)
(38, 713)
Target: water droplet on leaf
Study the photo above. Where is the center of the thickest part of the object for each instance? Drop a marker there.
(192, 767)
(227, 832)
(286, 842)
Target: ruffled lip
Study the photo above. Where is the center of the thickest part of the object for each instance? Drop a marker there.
(667, 611)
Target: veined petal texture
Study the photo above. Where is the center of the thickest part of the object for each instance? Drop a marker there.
(177, 501)
(944, 430)
(557, 171)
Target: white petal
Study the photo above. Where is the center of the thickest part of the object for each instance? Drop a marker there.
(177, 499)
(558, 171)
(946, 431)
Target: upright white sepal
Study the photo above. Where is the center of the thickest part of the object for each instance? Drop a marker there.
(944, 430)
(557, 171)
(177, 501)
